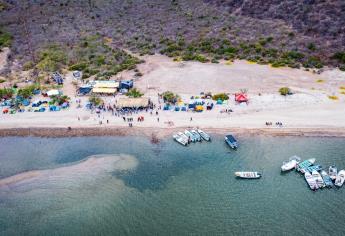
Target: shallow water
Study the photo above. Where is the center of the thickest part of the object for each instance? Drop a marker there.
(164, 189)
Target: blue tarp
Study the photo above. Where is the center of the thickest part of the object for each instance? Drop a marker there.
(26, 102)
(219, 102)
(85, 90)
(126, 84)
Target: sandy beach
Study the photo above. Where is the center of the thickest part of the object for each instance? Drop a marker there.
(309, 111)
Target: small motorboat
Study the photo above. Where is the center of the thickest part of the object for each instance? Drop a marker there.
(190, 136)
(181, 140)
(205, 136)
(327, 179)
(311, 169)
(196, 135)
(291, 164)
(184, 136)
(231, 141)
(248, 175)
(319, 181)
(339, 181)
(311, 181)
(304, 164)
(333, 172)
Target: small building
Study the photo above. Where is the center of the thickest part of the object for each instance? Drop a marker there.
(126, 84)
(105, 86)
(53, 92)
(133, 103)
(241, 97)
(84, 89)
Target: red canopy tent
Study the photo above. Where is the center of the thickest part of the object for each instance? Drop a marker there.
(241, 97)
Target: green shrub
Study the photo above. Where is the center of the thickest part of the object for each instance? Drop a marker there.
(340, 56)
(5, 39)
(170, 97)
(6, 93)
(284, 91)
(28, 65)
(82, 66)
(135, 93)
(96, 101)
(220, 96)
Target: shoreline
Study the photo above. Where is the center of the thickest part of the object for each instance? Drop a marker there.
(159, 133)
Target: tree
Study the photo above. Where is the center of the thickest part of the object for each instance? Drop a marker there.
(96, 101)
(220, 96)
(135, 93)
(170, 97)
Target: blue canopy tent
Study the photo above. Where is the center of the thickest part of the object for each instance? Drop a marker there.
(177, 108)
(126, 84)
(166, 107)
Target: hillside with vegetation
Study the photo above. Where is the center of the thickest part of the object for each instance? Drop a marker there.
(281, 33)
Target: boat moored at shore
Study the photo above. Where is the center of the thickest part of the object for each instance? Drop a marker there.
(204, 135)
(231, 141)
(196, 135)
(180, 139)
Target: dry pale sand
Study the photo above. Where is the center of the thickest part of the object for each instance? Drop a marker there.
(308, 110)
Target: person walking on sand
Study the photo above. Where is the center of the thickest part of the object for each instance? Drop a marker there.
(191, 119)
(157, 119)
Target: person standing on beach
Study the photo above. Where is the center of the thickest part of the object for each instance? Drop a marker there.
(191, 119)
(157, 119)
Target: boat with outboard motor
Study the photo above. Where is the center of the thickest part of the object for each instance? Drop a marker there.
(305, 164)
(204, 135)
(196, 135)
(248, 175)
(190, 136)
(333, 172)
(231, 141)
(291, 164)
(311, 181)
(180, 139)
(339, 181)
(318, 179)
(327, 179)
(311, 169)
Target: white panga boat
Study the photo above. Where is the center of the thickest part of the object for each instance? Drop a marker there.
(311, 181)
(196, 135)
(204, 135)
(190, 136)
(318, 179)
(332, 172)
(185, 137)
(181, 140)
(291, 164)
(248, 175)
(339, 181)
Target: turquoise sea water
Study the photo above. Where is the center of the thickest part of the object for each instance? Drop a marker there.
(165, 189)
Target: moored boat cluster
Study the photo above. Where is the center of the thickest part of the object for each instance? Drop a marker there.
(191, 136)
(315, 176)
